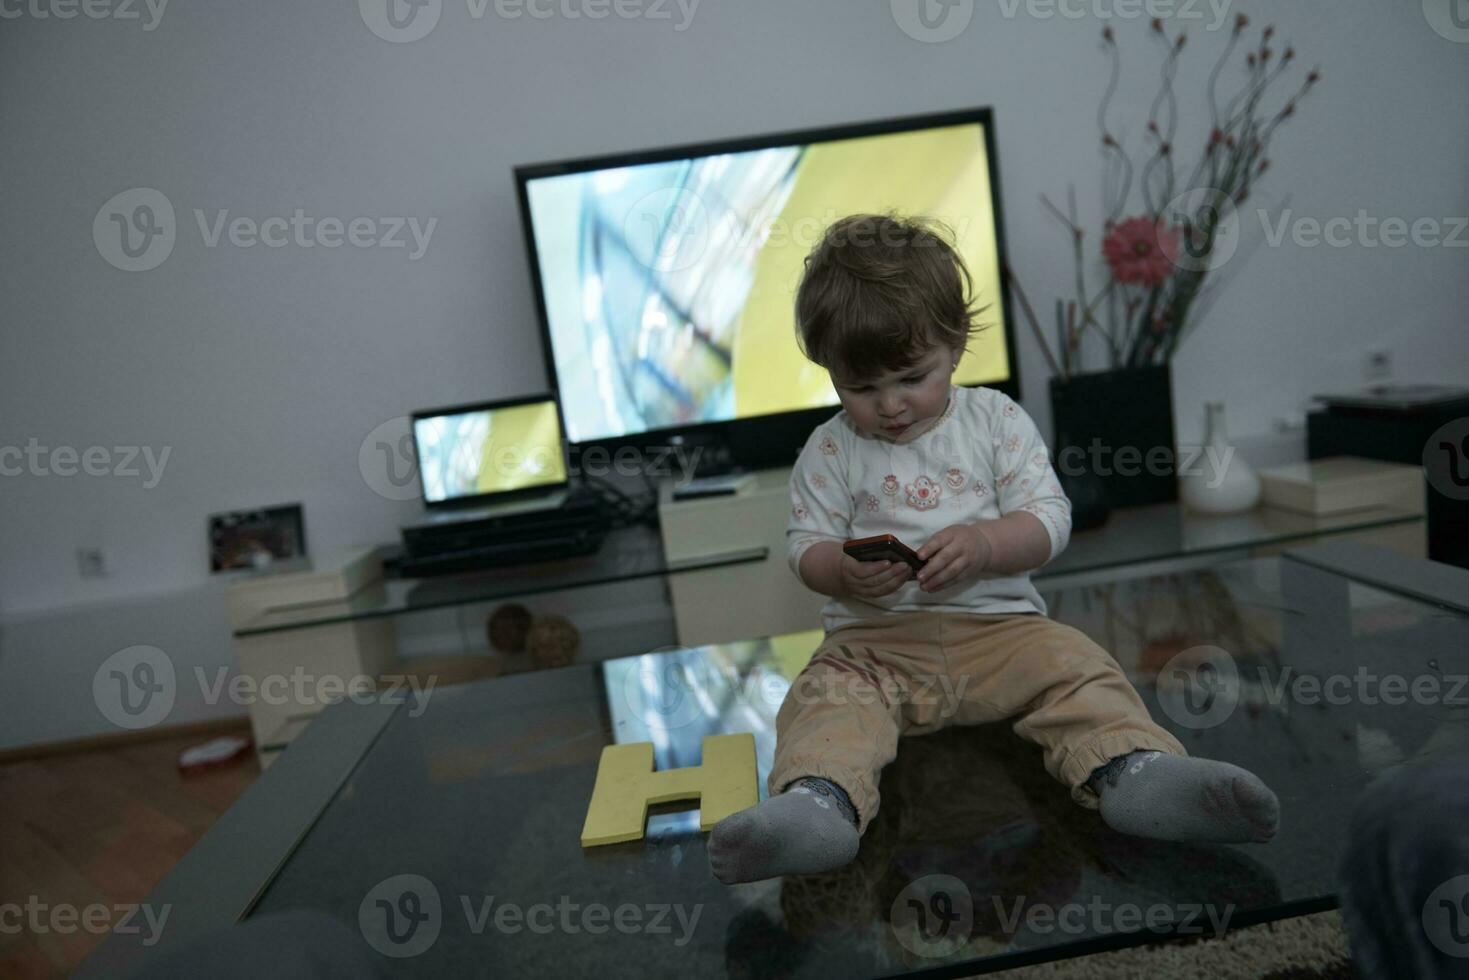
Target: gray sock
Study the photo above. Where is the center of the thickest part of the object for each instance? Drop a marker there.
(1182, 798)
(811, 827)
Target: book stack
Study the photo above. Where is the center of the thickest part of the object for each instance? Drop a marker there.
(1339, 484)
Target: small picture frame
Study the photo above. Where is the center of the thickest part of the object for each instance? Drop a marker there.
(256, 539)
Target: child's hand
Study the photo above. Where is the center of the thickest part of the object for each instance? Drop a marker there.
(873, 579)
(957, 550)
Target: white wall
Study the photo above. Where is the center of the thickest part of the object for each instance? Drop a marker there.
(262, 370)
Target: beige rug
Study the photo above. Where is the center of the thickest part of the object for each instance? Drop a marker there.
(1303, 948)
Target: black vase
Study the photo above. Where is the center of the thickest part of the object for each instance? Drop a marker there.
(1089, 504)
(1116, 428)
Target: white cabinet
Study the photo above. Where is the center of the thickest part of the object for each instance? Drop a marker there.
(737, 602)
(291, 674)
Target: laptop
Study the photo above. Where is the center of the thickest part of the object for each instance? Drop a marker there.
(492, 459)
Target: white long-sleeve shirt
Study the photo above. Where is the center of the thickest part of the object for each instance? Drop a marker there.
(982, 460)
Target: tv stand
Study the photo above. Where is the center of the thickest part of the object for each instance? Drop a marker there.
(713, 454)
(764, 598)
(761, 598)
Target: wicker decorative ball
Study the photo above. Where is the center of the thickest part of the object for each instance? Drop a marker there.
(553, 641)
(508, 627)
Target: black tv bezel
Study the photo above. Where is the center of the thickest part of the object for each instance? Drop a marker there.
(773, 439)
(497, 496)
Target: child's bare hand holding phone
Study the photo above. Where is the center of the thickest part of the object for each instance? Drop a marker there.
(873, 579)
(957, 550)
(877, 566)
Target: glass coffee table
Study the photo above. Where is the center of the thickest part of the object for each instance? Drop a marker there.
(420, 823)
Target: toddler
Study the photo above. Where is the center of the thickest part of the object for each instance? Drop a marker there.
(962, 475)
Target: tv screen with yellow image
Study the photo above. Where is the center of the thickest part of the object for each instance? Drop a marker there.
(668, 287)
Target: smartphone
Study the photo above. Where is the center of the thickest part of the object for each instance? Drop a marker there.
(883, 547)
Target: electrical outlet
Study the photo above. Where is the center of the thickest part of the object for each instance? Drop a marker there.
(92, 562)
(1377, 365)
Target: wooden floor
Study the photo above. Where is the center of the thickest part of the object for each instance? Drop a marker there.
(97, 827)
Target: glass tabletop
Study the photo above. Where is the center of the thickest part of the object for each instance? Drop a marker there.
(471, 801)
(1162, 531)
(1130, 536)
(280, 739)
(626, 554)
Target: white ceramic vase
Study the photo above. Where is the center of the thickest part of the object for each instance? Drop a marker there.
(1219, 481)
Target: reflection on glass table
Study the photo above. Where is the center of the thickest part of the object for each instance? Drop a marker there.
(675, 699)
(977, 860)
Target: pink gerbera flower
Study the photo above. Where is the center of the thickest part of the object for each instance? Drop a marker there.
(1137, 250)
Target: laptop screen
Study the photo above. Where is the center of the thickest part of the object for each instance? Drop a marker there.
(501, 448)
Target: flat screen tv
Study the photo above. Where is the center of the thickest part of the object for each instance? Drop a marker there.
(665, 279)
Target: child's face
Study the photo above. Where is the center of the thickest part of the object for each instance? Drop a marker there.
(891, 405)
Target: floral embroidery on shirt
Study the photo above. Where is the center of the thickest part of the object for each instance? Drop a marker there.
(828, 446)
(1006, 480)
(800, 511)
(818, 481)
(1024, 485)
(1009, 412)
(872, 503)
(890, 485)
(1038, 460)
(1012, 444)
(922, 493)
(979, 488)
(954, 479)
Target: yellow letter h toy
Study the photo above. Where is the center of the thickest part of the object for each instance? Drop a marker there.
(626, 786)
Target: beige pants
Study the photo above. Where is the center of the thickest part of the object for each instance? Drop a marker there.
(915, 673)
